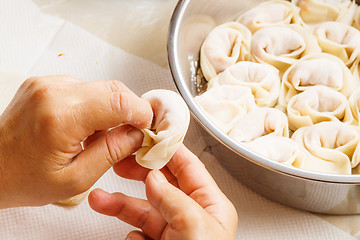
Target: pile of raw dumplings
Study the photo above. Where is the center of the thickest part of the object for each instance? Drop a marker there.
(283, 80)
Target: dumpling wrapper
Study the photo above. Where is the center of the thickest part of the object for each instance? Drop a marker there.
(279, 149)
(282, 46)
(332, 147)
(354, 102)
(338, 39)
(317, 11)
(258, 123)
(270, 13)
(318, 104)
(262, 79)
(75, 200)
(226, 104)
(316, 69)
(170, 124)
(224, 46)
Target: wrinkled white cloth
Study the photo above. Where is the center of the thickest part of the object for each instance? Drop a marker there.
(31, 43)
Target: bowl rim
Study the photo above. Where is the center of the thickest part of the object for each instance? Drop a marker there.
(197, 113)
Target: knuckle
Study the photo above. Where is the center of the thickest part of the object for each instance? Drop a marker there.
(119, 103)
(115, 153)
(49, 118)
(143, 219)
(185, 220)
(115, 86)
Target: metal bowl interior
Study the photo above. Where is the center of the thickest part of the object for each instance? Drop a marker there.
(191, 22)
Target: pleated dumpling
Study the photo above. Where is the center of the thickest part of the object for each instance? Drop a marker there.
(226, 104)
(279, 149)
(262, 79)
(316, 69)
(318, 104)
(356, 22)
(316, 11)
(224, 46)
(258, 123)
(282, 46)
(170, 124)
(332, 147)
(270, 13)
(338, 39)
(354, 102)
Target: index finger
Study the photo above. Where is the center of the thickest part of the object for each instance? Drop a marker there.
(190, 172)
(107, 104)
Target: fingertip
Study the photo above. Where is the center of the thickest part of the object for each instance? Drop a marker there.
(128, 168)
(100, 201)
(136, 235)
(145, 113)
(157, 176)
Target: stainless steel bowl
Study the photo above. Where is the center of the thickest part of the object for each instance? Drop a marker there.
(315, 192)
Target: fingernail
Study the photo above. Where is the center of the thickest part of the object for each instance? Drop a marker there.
(158, 176)
(135, 137)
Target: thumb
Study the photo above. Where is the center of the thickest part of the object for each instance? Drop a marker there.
(137, 235)
(174, 205)
(102, 153)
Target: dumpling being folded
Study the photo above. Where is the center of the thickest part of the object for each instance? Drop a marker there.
(270, 13)
(279, 149)
(171, 121)
(317, 104)
(282, 46)
(332, 147)
(224, 46)
(316, 69)
(226, 104)
(316, 11)
(258, 123)
(338, 39)
(262, 79)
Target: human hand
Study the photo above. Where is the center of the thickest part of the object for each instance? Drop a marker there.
(184, 202)
(41, 157)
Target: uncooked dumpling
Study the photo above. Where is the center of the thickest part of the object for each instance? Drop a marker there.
(317, 104)
(316, 11)
(356, 22)
(338, 39)
(226, 104)
(282, 46)
(263, 80)
(270, 13)
(332, 147)
(171, 121)
(258, 123)
(354, 102)
(224, 46)
(316, 69)
(279, 149)
(76, 200)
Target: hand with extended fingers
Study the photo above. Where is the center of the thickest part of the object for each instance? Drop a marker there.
(184, 202)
